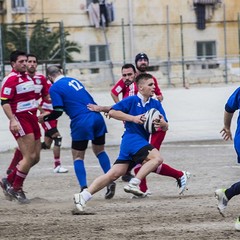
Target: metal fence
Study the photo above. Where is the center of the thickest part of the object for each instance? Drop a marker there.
(29, 37)
(179, 53)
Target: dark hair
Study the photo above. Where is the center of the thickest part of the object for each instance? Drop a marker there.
(32, 55)
(15, 54)
(143, 76)
(141, 56)
(129, 65)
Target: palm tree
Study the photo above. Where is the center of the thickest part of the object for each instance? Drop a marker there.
(13, 38)
(44, 43)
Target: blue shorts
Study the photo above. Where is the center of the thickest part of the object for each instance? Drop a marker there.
(88, 127)
(130, 145)
(237, 146)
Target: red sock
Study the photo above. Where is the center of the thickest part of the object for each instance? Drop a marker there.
(166, 170)
(19, 179)
(17, 157)
(57, 162)
(157, 138)
(11, 176)
(143, 185)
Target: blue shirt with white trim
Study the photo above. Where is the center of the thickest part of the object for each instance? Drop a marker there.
(71, 95)
(135, 136)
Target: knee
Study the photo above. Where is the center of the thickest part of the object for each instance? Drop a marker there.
(97, 149)
(157, 161)
(34, 158)
(37, 159)
(57, 141)
(160, 160)
(114, 175)
(45, 146)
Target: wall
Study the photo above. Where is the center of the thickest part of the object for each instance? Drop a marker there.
(148, 29)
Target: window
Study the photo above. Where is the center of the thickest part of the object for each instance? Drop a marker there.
(206, 50)
(2, 10)
(98, 53)
(17, 3)
(18, 6)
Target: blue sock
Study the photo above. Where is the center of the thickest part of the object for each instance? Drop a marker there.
(104, 161)
(80, 172)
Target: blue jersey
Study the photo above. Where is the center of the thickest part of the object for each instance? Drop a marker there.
(72, 96)
(232, 105)
(135, 136)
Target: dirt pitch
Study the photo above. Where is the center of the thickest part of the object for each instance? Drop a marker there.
(164, 215)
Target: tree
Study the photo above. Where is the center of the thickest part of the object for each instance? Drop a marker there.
(43, 42)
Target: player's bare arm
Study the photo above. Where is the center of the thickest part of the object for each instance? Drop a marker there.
(159, 98)
(115, 98)
(226, 130)
(14, 125)
(42, 115)
(119, 115)
(97, 108)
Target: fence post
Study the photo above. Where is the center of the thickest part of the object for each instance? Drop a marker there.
(168, 50)
(225, 44)
(1, 55)
(182, 48)
(123, 42)
(108, 51)
(27, 28)
(63, 53)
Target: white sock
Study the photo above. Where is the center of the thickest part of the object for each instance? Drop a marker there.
(86, 195)
(135, 181)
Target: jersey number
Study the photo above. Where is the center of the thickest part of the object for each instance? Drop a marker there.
(75, 84)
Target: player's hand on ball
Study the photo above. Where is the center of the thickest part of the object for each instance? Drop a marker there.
(142, 118)
(160, 123)
(139, 119)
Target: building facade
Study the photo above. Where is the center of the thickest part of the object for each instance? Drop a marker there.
(188, 41)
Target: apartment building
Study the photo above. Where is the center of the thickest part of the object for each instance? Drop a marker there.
(187, 41)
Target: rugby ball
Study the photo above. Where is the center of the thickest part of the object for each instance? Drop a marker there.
(150, 116)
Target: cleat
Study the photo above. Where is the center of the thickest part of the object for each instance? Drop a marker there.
(19, 195)
(130, 188)
(139, 197)
(222, 200)
(110, 190)
(182, 182)
(146, 194)
(79, 201)
(237, 224)
(82, 188)
(60, 169)
(127, 177)
(5, 185)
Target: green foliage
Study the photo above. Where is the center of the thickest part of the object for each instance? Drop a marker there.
(44, 41)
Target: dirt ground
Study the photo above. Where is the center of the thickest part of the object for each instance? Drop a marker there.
(164, 215)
